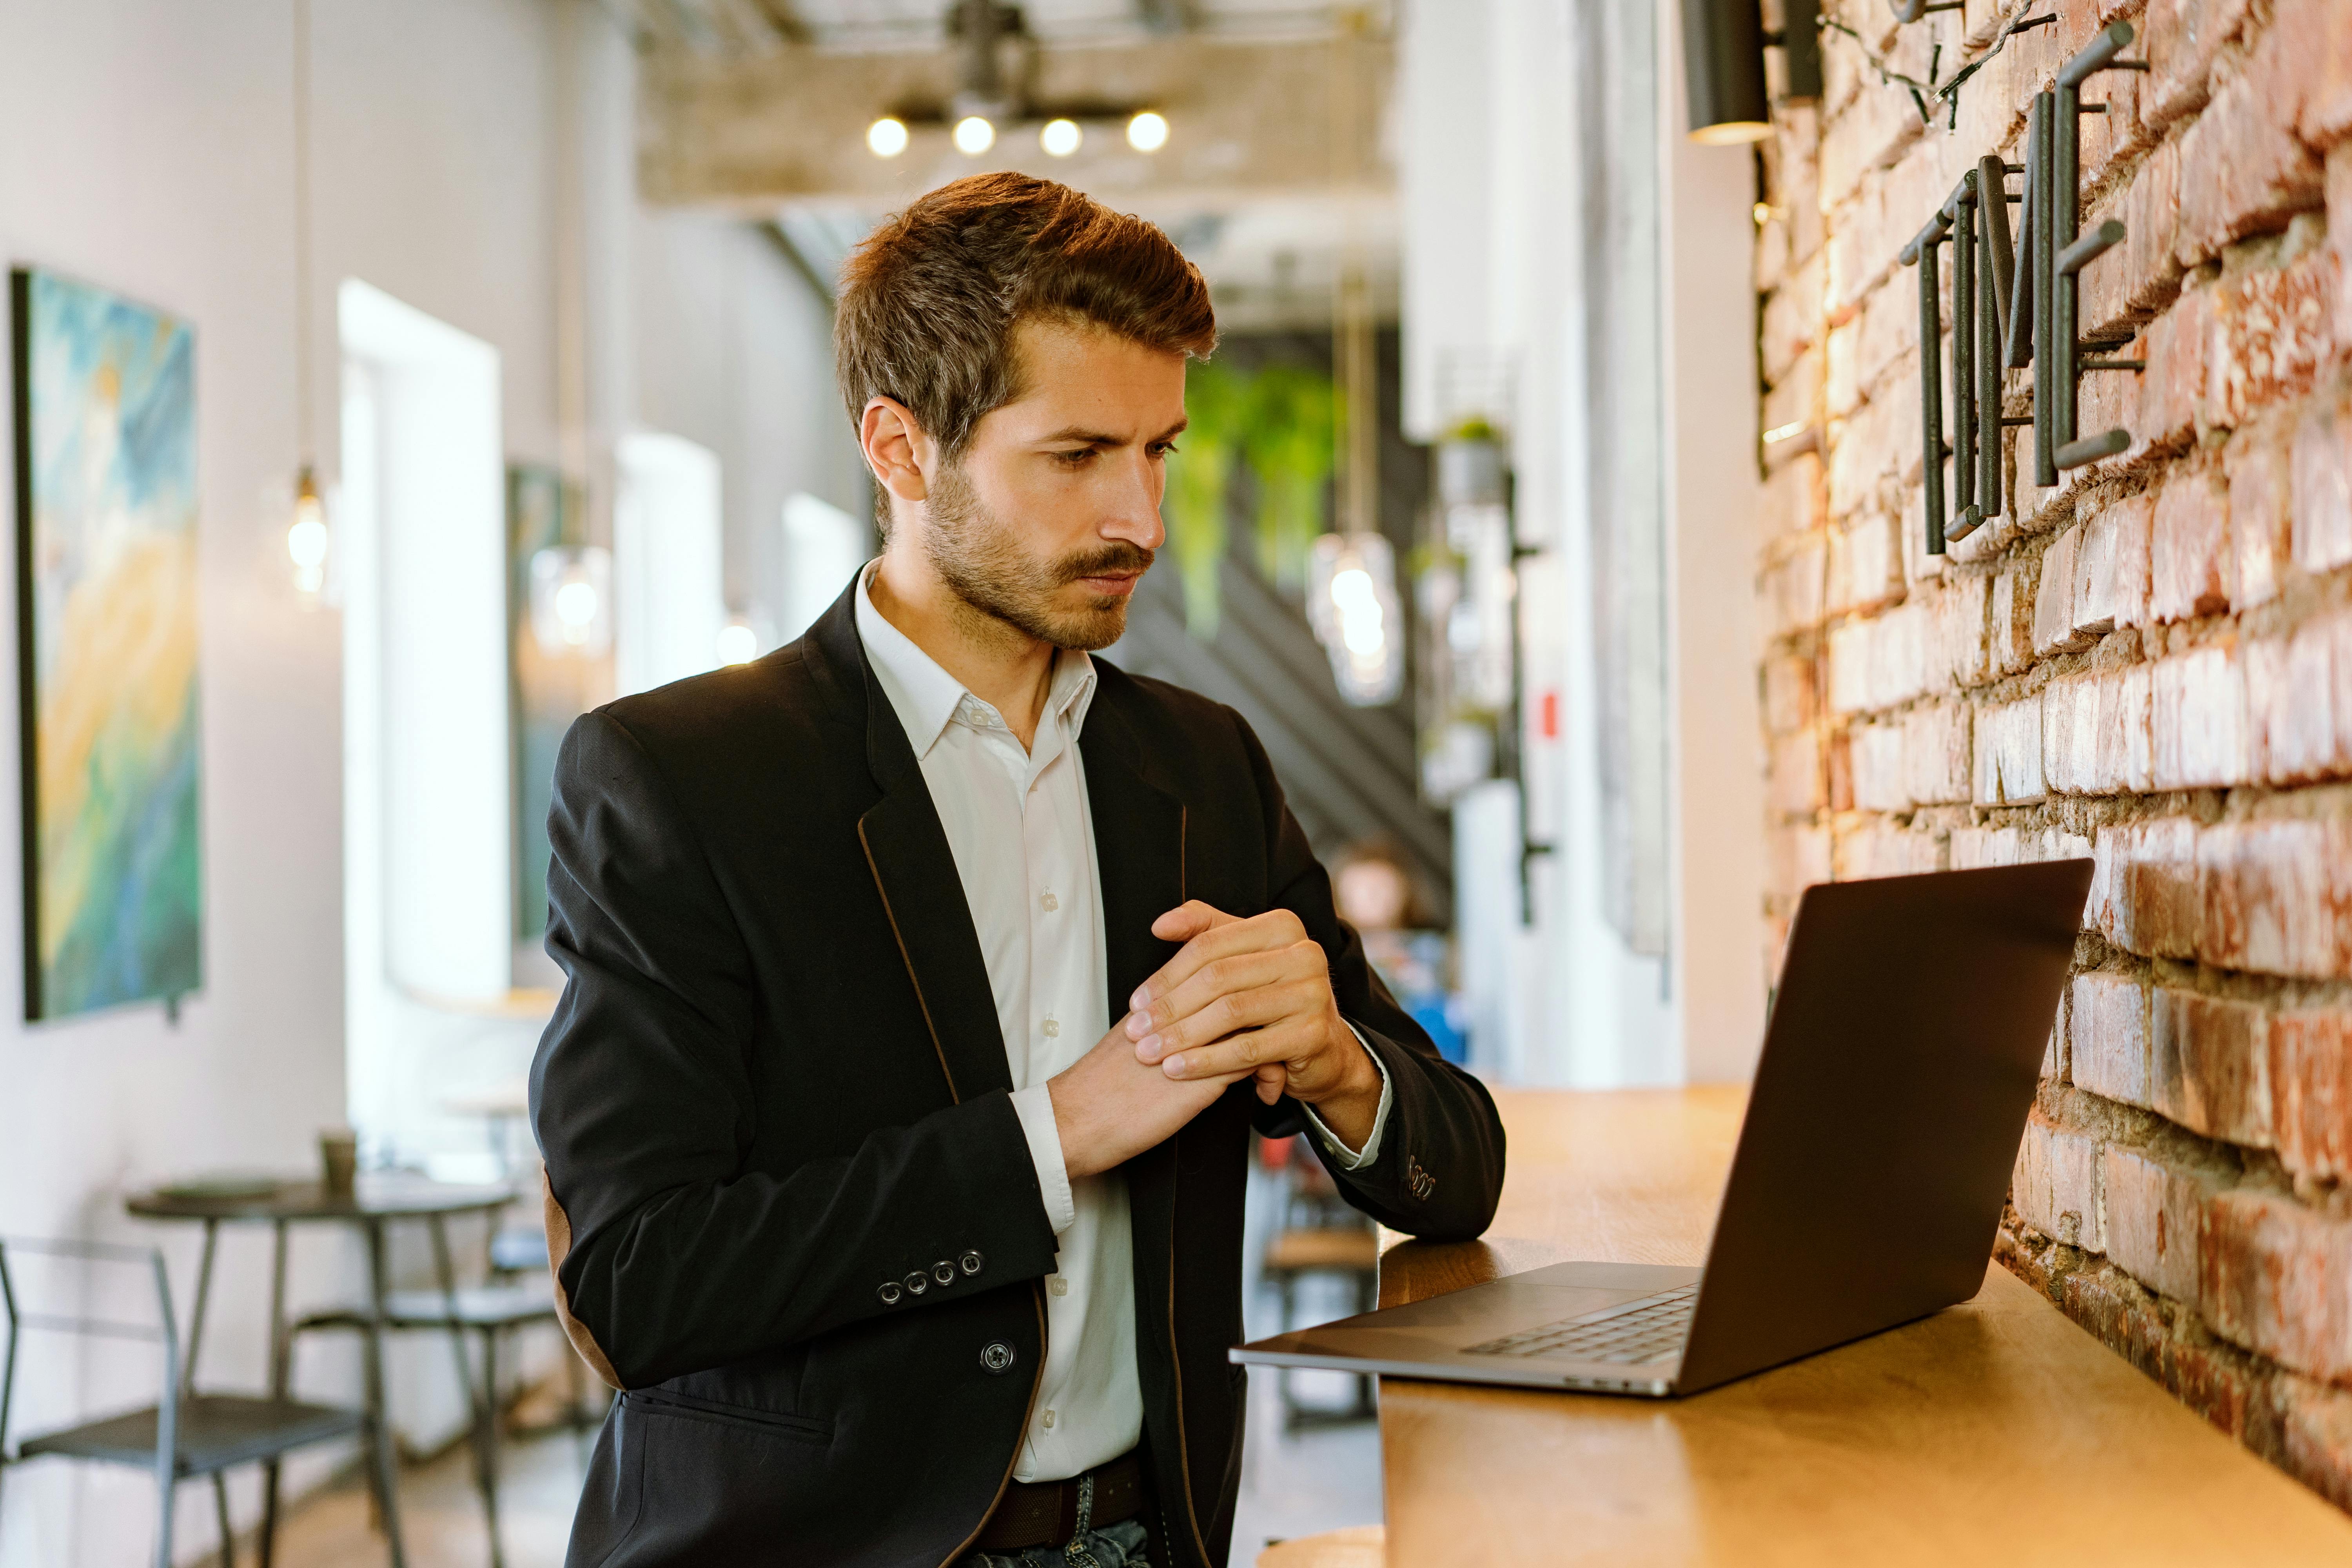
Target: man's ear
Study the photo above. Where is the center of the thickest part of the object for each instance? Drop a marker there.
(897, 451)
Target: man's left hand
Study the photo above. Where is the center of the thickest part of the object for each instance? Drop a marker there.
(1255, 994)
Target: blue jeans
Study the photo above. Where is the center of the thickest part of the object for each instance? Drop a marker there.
(1117, 1545)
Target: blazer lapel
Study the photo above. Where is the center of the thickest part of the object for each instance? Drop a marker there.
(916, 873)
(1139, 844)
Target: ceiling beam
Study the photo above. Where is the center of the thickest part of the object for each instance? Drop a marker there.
(1251, 120)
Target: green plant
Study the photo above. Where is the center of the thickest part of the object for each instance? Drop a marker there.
(1198, 474)
(1293, 417)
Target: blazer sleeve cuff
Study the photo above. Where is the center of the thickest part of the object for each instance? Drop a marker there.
(1035, 1107)
(1351, 1159)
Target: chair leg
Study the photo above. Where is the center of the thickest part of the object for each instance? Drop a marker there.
(486, 1442)
(164, 1523)
(269, 1546)
(220, 1509)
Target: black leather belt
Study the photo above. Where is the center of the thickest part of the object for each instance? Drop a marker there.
(1045, 1513)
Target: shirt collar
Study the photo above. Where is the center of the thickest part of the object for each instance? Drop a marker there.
(925, 698)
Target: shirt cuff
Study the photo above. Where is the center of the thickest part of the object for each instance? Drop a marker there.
(1349, 1160)
(1035, 1107)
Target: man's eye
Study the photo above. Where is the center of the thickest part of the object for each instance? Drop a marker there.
(1073, 459)
(1163, 449)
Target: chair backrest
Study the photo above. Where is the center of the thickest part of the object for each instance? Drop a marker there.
(21, 1315)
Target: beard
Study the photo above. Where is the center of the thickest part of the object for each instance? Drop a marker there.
(981, 557)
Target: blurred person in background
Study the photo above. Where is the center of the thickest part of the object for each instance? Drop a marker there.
(1382, 899)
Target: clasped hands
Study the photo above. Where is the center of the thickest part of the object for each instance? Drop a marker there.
(1241, 999)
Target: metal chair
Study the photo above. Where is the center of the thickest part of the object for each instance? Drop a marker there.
(492, 1311)
(185, 1434)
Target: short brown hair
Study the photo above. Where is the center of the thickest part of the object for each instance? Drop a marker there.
(930, 299)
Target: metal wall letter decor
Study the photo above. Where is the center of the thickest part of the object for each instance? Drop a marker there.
(2015, 305)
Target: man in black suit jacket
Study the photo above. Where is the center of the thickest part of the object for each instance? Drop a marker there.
(845, 1223)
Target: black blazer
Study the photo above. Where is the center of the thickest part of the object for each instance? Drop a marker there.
(791, 1209)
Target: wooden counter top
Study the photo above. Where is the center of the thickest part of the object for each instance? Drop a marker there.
(1994, 1432)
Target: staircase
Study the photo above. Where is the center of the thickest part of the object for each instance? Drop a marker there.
(1349, 774)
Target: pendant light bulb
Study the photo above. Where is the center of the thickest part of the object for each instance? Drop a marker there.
(306, 535)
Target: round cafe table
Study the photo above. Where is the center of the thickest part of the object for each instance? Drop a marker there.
(377, 1200)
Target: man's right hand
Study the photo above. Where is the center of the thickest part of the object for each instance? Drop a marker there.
(1109, 1108)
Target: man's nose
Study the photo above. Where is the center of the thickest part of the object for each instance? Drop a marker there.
(1134, 510)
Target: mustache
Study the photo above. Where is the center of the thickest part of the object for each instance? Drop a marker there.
(1110, 560)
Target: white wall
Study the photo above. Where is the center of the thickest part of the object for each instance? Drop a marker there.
(1494, 177)
(147, 145)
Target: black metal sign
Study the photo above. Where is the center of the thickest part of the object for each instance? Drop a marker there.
(2014, 306)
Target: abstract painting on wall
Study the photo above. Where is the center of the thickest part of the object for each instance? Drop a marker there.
(106, 616)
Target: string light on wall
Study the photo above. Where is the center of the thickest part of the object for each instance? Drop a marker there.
(1060, 138)
(886, 137)
(974, 135)
(738, 640)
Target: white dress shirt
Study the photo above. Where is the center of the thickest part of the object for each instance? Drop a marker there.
(1022, 831)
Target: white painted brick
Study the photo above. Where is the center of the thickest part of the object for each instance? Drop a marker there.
(2009, 753)
(1974, 847)
(2109, 1042)
(1876, 756)
(2200, 719)
(1936, 758)
(2056, 1186)
(2146, 895)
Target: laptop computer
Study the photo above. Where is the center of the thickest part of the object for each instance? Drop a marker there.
(1898, 1066)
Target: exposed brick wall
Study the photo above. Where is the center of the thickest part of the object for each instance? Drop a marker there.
(2150, 663)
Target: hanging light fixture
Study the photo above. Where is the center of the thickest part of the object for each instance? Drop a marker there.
(306, 536)
(1352, 603)
(571, 600)
(1723, 66)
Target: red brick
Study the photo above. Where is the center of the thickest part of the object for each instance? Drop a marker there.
(2009, 622)
(1837, 770)
(2172, 393)
(1792, 320)
(2108, 1036)
(1956, 631)
(1936, 754)
(2183, 36)
(1795, 499)
(2054, 596)
(2111, 570)
(2315, 1437)
(2311, 1092)
(1881, 851)
(1789, 698)
(2147, 896)
(2148, 275)
(2188, 559)
(2208, 1064)
(2339, 230)
(2259, 489)
(1865, 565)
(1974, 847)
(1876, 756)
(2321, 484)
(2009, 753)
(2069, 745)
(2198, 702)
(2299, 702)
(2313, 41)
(2125, 758)
(2274, 897)
(2242, 170)
(1795, 787)
(2277, 1278)
(2057, 1184)
(2272, 328)
(2153, 1209)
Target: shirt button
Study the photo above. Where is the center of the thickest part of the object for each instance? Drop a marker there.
(1049, 1421)
(1056, 1285)
(1053, 1030)
(1049, 904)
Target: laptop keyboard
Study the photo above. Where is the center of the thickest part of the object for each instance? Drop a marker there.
(1651, 1328)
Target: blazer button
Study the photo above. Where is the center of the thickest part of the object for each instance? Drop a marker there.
(996, 1356)
(943, 1271)
(917, 1283)
(889, 1292)
(971, 1261)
